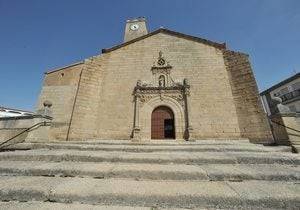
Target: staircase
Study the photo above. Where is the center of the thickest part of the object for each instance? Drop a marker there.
(207, 174)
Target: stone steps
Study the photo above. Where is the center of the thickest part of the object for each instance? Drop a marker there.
(163, 142)
(222, 172)
(159, 143)
(155, 148)
(122, 175)
(172, 194)
(194, 158)
(13, 205)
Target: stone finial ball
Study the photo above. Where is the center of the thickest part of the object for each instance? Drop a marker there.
(277, 100)
(47, 103)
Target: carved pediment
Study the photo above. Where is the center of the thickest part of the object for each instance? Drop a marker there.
(162, 84)
(146, 94)
(161, 62)
(161, 90)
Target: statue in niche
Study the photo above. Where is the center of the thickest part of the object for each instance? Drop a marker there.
(161, 81)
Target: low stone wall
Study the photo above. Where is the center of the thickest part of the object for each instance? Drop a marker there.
(12, 126)
(286, 127)
(279, 131)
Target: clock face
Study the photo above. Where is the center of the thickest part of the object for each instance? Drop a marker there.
(134, 27)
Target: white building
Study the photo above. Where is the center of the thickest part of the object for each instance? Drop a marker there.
(9, 112)
(288, 90)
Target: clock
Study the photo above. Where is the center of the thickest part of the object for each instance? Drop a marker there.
(134, 27)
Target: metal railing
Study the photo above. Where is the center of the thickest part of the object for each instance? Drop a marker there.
(293, 129)
(37, 125)
(290, 95)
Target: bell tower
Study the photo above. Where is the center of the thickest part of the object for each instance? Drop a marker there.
(135, 28)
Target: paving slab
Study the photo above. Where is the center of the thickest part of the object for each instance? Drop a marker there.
(177, 194)
(154, 148)
(269, 193)
(216, 172)
(102, 174)
(12, 205)
(102, 170)
(159, 142)
(196, 158)
(272, 172)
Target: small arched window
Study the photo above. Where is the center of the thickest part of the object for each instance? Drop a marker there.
(161, 81)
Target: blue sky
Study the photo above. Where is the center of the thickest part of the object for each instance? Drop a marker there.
(39, 35)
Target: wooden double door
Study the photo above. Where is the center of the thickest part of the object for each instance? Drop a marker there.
(162, 123)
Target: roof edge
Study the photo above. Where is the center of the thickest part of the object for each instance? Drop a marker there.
(13, 109)
(167, 31)
(287, 80)
(236, 52)
(64, 67)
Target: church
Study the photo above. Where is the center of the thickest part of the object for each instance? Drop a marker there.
(156, 85)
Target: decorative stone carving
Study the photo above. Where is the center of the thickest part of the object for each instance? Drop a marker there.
(165, 71)
(144, 98)
(47, 104)
(276, 100)
(46, 110)
(139, 83)
(162, 87)
(280, 108)
(161, 81)
(161, 68)
(177, 97)
(186, 82)
(161, 62)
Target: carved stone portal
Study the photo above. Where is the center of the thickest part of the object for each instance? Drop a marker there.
(161, 91)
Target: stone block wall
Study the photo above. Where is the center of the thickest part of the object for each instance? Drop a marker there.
(60, 87)
(251, 117)
(104, 108)
(96, 100)
(85, 123)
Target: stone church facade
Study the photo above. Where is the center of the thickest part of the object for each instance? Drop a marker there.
(157, 85)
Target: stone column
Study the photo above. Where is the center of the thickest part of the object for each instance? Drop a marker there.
(188, 134)
(136, 136)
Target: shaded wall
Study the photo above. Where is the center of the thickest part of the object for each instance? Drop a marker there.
(252, 119)
(60, 88)
(286, 128)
